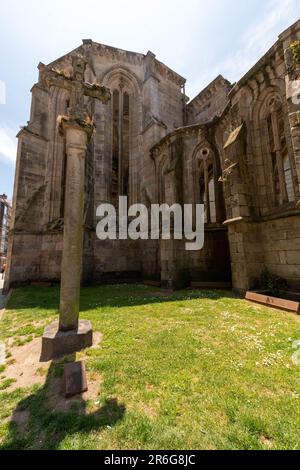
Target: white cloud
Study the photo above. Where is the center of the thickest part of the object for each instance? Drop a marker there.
(8, 145)
(260, 37)
(280, 11)
(257, 39)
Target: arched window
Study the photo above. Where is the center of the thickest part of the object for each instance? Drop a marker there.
(207, 186)
(126, 144)
(115, 148)
(279, 159)
(120, 144)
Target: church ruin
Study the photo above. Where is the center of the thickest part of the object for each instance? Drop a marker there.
(234, 148)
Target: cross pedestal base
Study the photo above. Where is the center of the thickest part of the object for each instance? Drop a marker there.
(57, 343)
(74, 379)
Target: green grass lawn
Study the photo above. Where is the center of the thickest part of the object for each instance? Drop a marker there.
(196, 370)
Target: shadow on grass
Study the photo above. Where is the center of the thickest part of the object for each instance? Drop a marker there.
(108, 296)
(44, 419)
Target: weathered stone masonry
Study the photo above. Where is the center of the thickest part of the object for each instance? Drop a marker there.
(235, 148)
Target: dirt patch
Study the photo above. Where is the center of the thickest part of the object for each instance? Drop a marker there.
(58, 403)
(25, 368)
(151, 410)
(267, 442)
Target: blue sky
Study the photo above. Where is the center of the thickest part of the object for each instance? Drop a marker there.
(197, 38)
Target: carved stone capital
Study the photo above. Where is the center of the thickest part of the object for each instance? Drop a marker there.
(66, 122)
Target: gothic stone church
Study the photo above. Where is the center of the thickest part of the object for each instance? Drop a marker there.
(234, 147)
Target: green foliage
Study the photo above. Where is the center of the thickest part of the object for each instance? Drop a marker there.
(295, 48)
(189, 370)
(4, 384)
(272, 283)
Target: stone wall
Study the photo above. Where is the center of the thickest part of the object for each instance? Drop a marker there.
(237, 146)
(156, 103)
(178, 161)
(273, 245)
(210, 103)
(281, 248)
(262, 199)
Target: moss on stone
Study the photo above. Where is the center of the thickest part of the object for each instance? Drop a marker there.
(295, 49)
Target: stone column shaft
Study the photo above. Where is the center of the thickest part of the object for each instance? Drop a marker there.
(76, 141)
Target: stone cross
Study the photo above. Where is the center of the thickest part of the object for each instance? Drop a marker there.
(70, 335)
(77, 87)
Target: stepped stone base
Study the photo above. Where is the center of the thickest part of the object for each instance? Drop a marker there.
(57, 343)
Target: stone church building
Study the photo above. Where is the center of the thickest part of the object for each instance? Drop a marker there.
(234, 147)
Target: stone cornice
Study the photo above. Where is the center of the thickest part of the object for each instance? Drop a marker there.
(137, 58)
(236, 220)
(154, 122)
(38, 86)
(290, 30)
(26, 130)
(165, 72)
(284, 214)
(121, 55)
(280, 214)
(207, 92)
(181, 131)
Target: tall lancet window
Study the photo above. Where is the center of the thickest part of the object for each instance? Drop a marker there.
(207, 187)
(120, 145)
(115, 148)
(126, 145)
(282, 178)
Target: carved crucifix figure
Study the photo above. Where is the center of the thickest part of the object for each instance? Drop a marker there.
(69, 335)
(77, 87)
